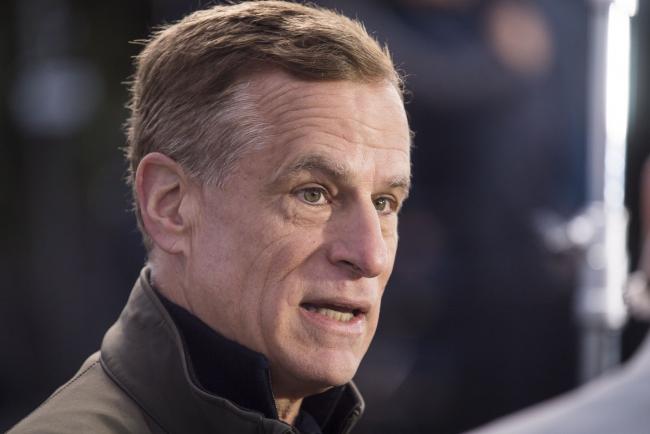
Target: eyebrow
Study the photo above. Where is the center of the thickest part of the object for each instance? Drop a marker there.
(333, 169)
(402, 183)
(314, 162)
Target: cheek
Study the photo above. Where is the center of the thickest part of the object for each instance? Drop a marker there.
(283, 267)
(389, 231)
(392, 238)
(276, 281)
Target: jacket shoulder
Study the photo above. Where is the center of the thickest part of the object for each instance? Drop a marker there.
(89, 402)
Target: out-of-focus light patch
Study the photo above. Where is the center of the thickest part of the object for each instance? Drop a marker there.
(56, 98)
(580, 230)
(630, 7)
(617, 90)
(617, 265)
(596, 257)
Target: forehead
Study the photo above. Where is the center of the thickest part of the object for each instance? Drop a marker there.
(363, 126)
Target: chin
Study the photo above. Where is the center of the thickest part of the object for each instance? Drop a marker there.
(324, 369)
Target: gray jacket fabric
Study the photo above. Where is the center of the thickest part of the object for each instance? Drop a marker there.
(141, 382)
(618, 403)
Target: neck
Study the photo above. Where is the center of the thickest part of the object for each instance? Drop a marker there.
(166, 278)
(288, 409)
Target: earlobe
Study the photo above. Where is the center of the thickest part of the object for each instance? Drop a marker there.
(161, 189)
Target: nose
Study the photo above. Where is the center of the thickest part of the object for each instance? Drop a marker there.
(358, 243)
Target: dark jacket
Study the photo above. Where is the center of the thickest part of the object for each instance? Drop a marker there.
(142, 381)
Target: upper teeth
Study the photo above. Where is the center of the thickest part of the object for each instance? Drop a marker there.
(331, 313)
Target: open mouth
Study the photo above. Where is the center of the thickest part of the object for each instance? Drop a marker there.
(337, 313)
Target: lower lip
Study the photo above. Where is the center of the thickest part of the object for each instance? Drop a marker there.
(355, 326)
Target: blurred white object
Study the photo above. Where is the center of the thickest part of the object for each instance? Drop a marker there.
(616, 403)
(600, 307)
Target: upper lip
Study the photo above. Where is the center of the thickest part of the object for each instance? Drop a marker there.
(355, 305)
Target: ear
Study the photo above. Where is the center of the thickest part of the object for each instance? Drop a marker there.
(163, 192)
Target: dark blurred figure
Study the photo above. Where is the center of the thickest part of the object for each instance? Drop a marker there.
(615, 403)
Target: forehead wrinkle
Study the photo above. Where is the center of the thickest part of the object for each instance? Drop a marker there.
(315, 120)
(314, 134)
(291, 92)
(301, 109)
(294, 130)
(277, 102)
(269, 96)
(297, 136)
(306, 110)
(304, 116)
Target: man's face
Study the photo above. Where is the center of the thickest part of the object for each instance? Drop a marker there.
(291, 257)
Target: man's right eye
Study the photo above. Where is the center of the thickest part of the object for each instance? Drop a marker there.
(313, 196)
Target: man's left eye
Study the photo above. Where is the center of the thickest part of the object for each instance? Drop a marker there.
(313, 196)
(382, 204)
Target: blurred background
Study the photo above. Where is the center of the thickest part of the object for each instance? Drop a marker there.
(479, 317)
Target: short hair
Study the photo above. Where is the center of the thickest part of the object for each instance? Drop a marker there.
(188, 95)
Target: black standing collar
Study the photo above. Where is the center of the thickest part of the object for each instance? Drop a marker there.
(223, 367)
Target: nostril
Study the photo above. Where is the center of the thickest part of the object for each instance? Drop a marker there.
(353, 266)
